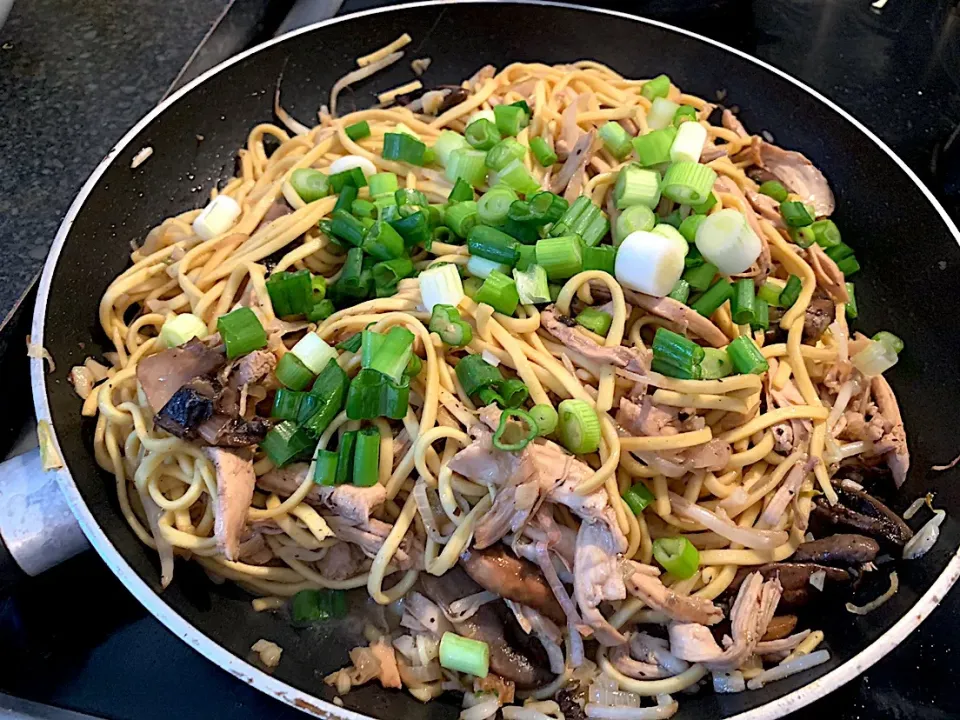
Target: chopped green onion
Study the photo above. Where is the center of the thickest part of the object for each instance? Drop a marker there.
(414, 229)
(403, 148)
(290, 293)
(366, 458)
(595, 320)
(353, 177)
(348, 193)
(313, 352)
(358, 131)
(286, 404)
(441, 284)
(658, 87)
(602, 257)
(701, 276)
(522, 104)
(292, 373)
(838, 252)
(582, 218)
(560, 256)
(481, 267)
(467, 165)
(351, 344)
(790, 292)
(541, 209)
(461, 192)
(389, 272)
(373, 395)
(491, 244)
(662, 112)
(363, 209)
(579, 427)
(715, 296)
(414, 366)
(826, 233)
(311, 185)
(688, 226)
(770, 293)
(345, 453)
(241, 332)
(526, 232)
(324, 400)
(370, 343)
(499, 292)
(774, 189)
(636, 186)
(546, 418)
(383, 183)
(802, 237)
(532, 285)
(636, 217)
(452, 329)
(681, 291)
(503, 153)
(181, 329)
(761, 315)
(464, 655)
(684, 113)
(285, 442)
(325, 470)
(673, 220)
(383, 242)
(505, 427)
(446, 143)
(746, 356)
(848, 266)
(309, 606)
(542, 152)
(677, 556)
(347, 228)
(654, 147)
(494, 206)
(394, 353)
(795, 213)
(742, 304)
(704, 207)
(690, 372)
(406, 196)
(851, 306)
(352, 280)
(638, 497)
(688, 183)
(510, 119)
(875, 359)
(890, 340)
(715, 364)
(482, 134)
(555, 289)
(386, 206)
(670, 347)
(475, 374)
(527, 257)
(516, 176)
(615, 139)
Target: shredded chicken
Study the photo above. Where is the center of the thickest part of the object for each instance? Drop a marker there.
(620, 356)
(235, 481)
(351, 502)
(597, 578)
(681, 608)
(680, 315)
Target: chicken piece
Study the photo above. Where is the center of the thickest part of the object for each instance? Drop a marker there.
(647, 419)
(732, 123)
(252, 368)
(510, 511)
(576, 160)
(564, 330)
(484, 464)
(341, 561)
(161, 375)
(499, 571)
(828, 274)
(681, 608)
(597, 578)
(680, 315)
(348, 501)
(752, 611)
(253, 548)
(235, 481)
(898, 456)
(798, 175)
(370, 537)
(766, 207)
(646, 658)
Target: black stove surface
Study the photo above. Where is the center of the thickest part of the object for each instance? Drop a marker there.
(74, 638)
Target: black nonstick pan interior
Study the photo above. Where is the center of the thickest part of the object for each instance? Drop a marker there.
(908, 283)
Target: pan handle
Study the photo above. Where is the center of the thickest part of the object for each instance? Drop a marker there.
(37, 528)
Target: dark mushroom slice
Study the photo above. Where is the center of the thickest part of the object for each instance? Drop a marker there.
(780, 626)
(571, 709)
(485, 625)
(498, 570)
(819, 314)
(860, 513)
(161, 375)
(231, 432)
(877, 479)
(189, 407)
(842, 549)
(795, 579)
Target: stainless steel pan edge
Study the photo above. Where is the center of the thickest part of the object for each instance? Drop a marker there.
(304, 701)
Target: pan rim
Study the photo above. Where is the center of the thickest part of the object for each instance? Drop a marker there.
(302, 700)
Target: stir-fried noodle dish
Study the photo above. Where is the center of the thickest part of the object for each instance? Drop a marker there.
(556, 365)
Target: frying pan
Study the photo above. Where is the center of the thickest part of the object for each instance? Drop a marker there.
(907, 244)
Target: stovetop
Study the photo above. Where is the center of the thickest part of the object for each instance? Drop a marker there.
(74, 638)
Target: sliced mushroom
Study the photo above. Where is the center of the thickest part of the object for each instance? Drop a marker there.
(861, 513)
(226, 431)
(780, 627)
(498, 570)
(487, 626)
(841, 550)
(189, 406)
(161, 375)
(795, 579)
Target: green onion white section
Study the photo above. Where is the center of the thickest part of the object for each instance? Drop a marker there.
(649, 262)
(726, 240)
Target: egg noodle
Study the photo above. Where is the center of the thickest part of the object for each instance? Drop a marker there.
(167, 486)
